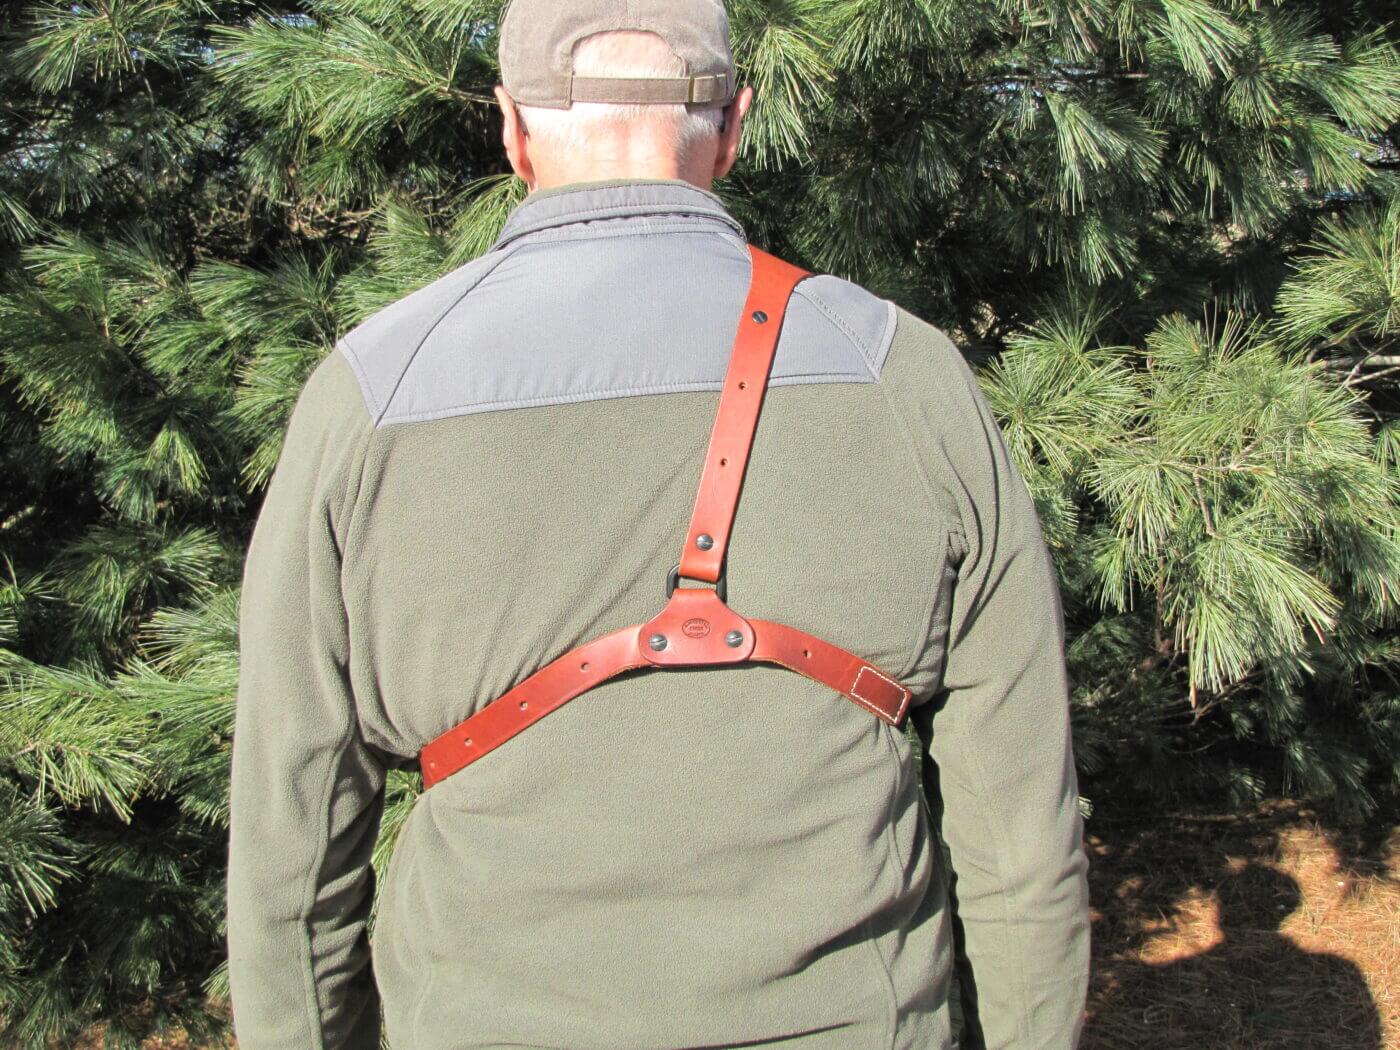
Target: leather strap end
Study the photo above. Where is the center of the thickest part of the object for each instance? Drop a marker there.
(880, 694)
(833, 667)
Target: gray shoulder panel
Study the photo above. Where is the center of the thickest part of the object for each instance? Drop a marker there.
(556, 321)
(382, 347)
(867, 321)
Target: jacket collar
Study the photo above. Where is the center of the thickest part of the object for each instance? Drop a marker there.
(579, 202)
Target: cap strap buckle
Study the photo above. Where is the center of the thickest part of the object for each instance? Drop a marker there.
(712, 88)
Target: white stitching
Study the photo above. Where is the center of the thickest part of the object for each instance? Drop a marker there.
(839, 322)
(855, 694)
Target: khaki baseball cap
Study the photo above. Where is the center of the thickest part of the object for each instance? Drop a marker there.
(538, 37)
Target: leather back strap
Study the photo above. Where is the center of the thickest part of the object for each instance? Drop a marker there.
(579, 670)
(549, 688)
(731, 439)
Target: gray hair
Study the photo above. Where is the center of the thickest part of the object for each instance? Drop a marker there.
(621, 53)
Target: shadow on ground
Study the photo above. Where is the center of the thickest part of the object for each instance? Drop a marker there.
(1255, 931)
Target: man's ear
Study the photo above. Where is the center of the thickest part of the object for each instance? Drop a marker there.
(729, 133)
(514, 138)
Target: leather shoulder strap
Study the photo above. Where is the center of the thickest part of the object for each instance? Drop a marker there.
(731, 439)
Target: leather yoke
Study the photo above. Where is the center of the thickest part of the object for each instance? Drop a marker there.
(696, 628)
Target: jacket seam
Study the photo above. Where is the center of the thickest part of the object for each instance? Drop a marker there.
(348, 501)
(442, 315)
(941, 595)
(350, 513)
(842, 326)
(623, 211)
(325, 798)
(881, 350)
(350, 497)
(896, 867)
(552, 235)
(1023, 1022)
(1023, 1012)
(931, 599)
(608, 393)
(313, 880)
(366, 389)
(420, 1003)
(899, 763)
(617, 211)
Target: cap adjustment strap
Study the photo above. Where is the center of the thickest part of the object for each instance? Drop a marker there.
(713, 87)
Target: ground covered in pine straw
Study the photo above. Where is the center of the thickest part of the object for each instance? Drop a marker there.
(1265, 930)
(1259, 931)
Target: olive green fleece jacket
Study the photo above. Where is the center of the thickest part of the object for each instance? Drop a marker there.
(501, 466)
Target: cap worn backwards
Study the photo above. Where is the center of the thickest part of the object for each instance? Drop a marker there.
(538, 36)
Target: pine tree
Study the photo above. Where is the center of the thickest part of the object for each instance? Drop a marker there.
(1165, 228)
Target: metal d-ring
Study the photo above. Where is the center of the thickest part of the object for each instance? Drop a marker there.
(673, 579)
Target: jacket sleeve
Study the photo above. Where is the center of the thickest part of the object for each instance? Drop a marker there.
(307, 793)
(1006, 793)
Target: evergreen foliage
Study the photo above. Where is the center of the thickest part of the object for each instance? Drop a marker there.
(1167, 228)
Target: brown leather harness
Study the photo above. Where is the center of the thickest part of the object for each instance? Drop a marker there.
(696, 628)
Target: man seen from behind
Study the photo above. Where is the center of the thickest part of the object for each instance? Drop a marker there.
(501, 467)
